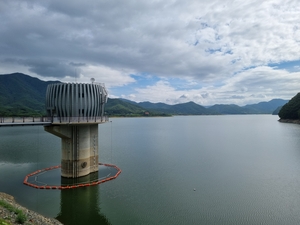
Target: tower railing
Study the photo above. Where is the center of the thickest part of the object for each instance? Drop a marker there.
(79, 119)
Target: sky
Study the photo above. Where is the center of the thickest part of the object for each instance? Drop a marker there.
(205, 51)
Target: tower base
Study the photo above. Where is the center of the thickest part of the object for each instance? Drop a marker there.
(79, 145)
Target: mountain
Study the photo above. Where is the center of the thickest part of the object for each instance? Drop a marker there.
(149, 105)
(192, 108)
(291, 110)
(22, 95)
(118, 107)
(189, 108)
(229, 109)
(266, 107)
(124, 107)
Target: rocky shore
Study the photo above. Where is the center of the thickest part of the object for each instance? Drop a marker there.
(289, 121)
(7, 217)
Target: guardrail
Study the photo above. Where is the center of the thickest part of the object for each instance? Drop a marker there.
(24, 119)
(50, 120)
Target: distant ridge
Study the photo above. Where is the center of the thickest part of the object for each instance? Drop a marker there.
(23, 95)
(229, 109)
(192, 108)
(189, 108)
(266, 107)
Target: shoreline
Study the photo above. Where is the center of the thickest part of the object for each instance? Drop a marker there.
(32, 217)
(289, 121)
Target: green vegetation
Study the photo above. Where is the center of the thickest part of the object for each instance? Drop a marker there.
(291, 110)
(188, 108)
(229, 109)
(21, 217)
(121, 108)
(22, 95)
(117, 107)
(20, 111)
(4, 222)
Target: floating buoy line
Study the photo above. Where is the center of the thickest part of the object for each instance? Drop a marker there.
(67, 186)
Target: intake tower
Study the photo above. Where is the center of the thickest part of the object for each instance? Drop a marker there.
(76, 110)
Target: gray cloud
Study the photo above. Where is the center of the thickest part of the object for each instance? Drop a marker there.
(53, 69)
(50, 67)
(145, 37)
(237, 97)
(204, 41)
(183, 97)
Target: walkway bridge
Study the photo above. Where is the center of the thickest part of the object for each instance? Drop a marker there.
(47, 121)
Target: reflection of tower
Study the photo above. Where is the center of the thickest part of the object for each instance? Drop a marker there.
(81, 205)
(76, 110)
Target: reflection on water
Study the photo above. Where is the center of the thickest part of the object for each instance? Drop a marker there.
(81, 205)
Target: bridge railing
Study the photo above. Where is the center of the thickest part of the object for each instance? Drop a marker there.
(23, 119)
(54, 119)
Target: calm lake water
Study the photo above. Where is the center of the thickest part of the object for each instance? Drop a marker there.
(241, 169)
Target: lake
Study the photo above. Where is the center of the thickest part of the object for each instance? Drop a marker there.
(242, 169)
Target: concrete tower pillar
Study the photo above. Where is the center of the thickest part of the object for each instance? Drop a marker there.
(76, 110)
(79, 149)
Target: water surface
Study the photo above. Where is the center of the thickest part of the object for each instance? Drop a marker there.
(175, 170)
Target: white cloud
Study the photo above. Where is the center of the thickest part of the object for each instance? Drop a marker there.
(211, 43)
(248, 87)
(102, 74)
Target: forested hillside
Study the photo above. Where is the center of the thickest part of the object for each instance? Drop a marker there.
(118, 107)
(22, 95)
(291, 110)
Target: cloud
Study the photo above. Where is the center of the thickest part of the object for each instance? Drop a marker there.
(212, 43)
(185, 96)
(49, 67)
(106, 75)
(248, 87)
